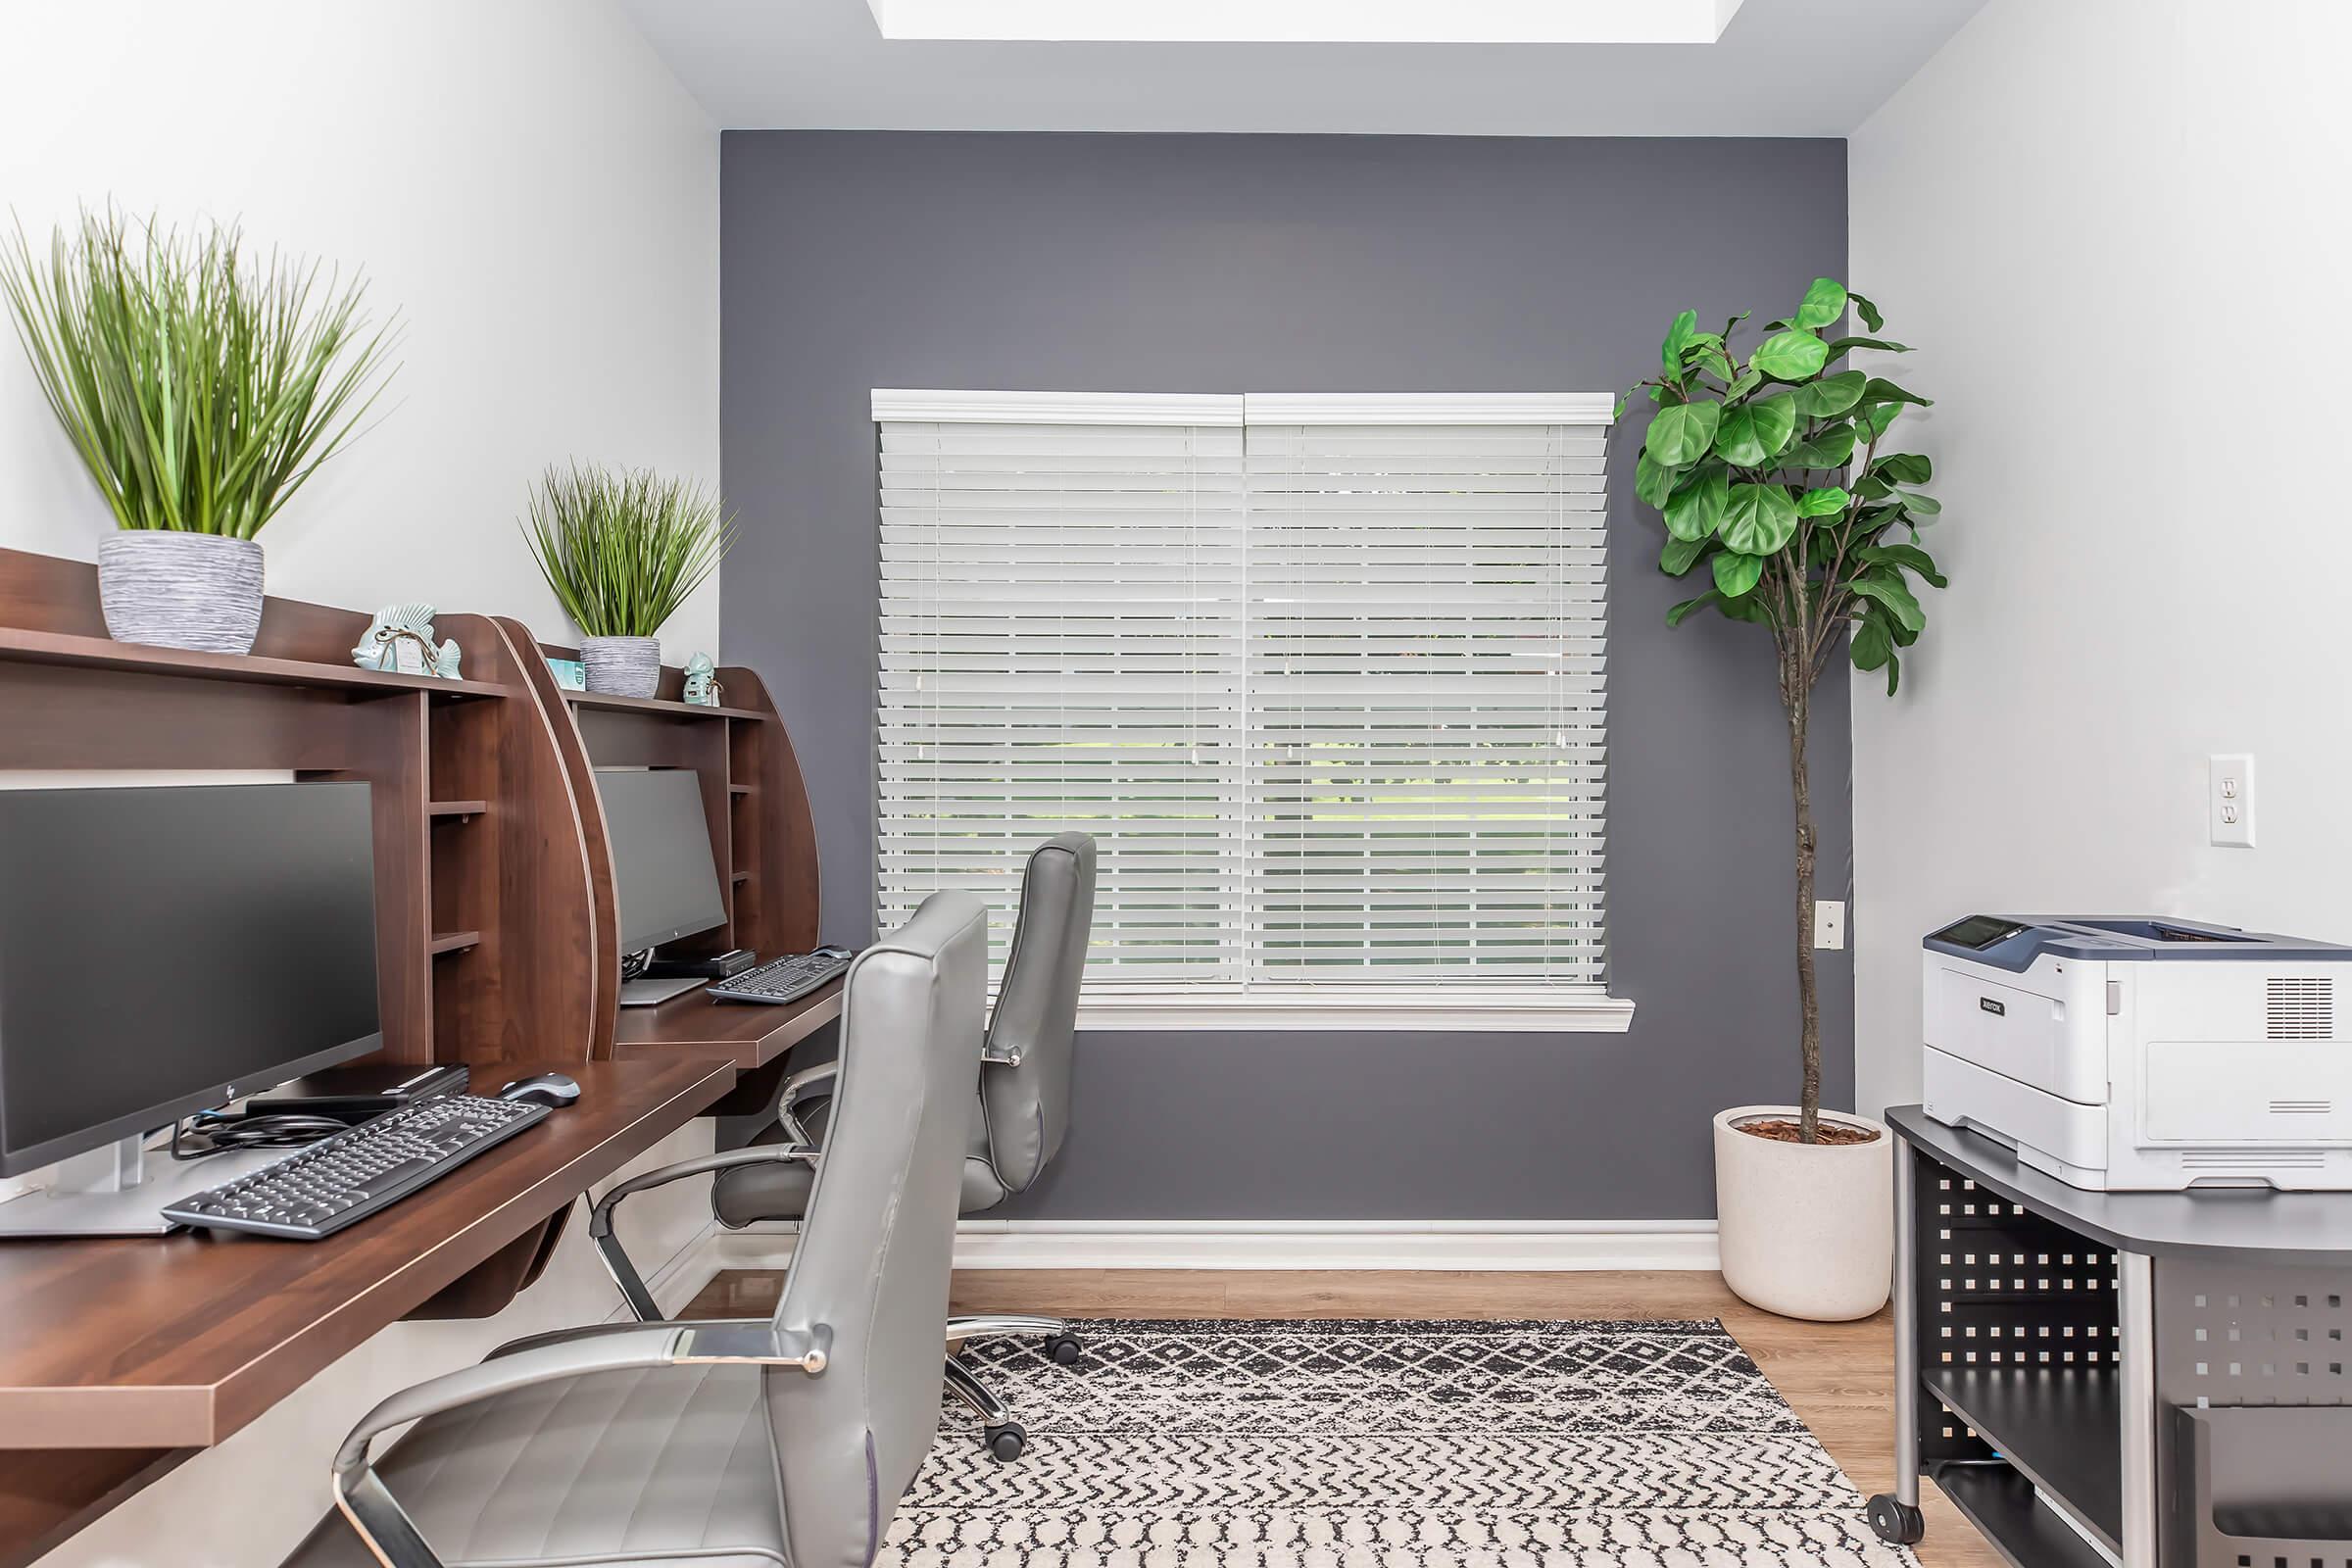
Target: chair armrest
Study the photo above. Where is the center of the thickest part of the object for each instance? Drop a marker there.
(600, 1218)
(794, 1088)
(368, 1504)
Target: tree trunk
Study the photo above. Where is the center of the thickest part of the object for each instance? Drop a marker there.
(1794, 691)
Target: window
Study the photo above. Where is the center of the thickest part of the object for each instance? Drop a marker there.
(1323, 676)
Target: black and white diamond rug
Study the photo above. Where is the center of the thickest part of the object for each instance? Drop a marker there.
(1385, 1444)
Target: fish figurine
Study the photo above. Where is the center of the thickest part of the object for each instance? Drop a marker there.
(400, 639)
(702, 681)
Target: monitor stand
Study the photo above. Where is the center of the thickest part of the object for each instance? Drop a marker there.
(652, 992)
(121, 1190)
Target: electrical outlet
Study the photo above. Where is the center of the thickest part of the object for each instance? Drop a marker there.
(2230, 799)
(1829, 922)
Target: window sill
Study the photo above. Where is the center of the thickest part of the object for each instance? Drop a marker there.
(1528, 1010)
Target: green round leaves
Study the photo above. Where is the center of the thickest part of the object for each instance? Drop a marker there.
(1825, 501)
(1831, 395)
(1653, 481)
(1680, 433)
(1695, 511)
(1832, 447)
(1758, 518)
(1736, 574)
(1825, 302)
(1793, 354)
(1751, 434)
(1680, 554)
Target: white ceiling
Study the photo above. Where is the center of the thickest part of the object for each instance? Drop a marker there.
(1782, 67)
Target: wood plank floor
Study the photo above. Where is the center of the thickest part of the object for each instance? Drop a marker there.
(1839, 1377)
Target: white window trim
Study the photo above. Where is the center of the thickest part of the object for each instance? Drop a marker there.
(1501, 1007)
(1429, 407)
(1055, 408)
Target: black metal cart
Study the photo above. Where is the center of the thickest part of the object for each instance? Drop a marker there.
(2158, 1380)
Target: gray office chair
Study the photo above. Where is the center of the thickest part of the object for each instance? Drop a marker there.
(784, 1442)
(1022, 1111)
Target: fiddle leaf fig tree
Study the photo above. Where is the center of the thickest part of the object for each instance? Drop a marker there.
(1778, 491)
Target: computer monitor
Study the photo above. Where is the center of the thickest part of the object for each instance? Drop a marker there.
(164, 950)
(663, 877)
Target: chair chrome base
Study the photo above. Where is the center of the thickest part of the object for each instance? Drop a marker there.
(1000, 1434)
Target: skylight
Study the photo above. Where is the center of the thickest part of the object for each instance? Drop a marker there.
(1519, 22)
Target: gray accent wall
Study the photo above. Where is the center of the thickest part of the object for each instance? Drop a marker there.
(856, 260)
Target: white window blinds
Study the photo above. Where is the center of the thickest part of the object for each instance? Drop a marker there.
(1062, 648)
(1323, 676)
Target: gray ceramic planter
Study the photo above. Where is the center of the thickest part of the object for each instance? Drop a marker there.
(623, 666)
(197, 591)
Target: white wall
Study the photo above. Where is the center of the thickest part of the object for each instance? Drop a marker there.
(2117, 231)
(522, 179)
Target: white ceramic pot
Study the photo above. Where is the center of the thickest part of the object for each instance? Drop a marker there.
(623, 666)
(1806, 1230)
(197, 591)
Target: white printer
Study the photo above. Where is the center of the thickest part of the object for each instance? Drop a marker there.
(2143, 1053)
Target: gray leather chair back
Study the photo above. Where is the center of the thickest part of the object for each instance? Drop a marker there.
(875, 1250)
(1028, 1106)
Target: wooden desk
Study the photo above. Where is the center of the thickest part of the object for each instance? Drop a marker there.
(758, 1040)
(746, 1034)
(129, 1350)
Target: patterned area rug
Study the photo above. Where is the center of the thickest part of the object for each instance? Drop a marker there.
(1382, 1444)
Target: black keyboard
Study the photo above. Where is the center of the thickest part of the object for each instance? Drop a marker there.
(786, 979)
(345, 1177)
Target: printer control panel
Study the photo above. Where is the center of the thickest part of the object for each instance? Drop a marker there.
(1979, 932)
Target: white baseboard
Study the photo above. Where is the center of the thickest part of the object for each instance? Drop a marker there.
(1435, 1244)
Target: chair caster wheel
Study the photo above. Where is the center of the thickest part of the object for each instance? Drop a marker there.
(1004, 1443)
(1894, 1522)
(1065, 1349)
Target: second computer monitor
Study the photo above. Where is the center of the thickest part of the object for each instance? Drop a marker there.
(664, 876)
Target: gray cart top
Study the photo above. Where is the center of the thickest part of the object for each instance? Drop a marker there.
(2299, 1230)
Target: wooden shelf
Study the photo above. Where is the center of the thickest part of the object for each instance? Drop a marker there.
(17, 645)
(2061, 1428)
(455, 942)
(460, 810)
(741, 878)
(660, 707)
(741, 790)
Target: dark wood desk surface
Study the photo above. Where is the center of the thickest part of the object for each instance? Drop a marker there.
(745, 1033)
(178, 1342)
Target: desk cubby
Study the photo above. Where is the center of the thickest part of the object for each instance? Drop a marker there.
(763, 846)
(482, 889)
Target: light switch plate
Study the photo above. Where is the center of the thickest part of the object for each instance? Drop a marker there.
(2230, 799)
(1829, 922)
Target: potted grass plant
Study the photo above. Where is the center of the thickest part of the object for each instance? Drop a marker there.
(622, 550)
(201, 390)
(1773, 476)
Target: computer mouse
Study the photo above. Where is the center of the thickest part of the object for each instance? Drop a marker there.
(542, 1089)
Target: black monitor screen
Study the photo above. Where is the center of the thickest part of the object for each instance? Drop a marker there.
(164, 950)
(664, 876)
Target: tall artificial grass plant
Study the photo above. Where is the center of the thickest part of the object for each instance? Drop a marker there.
(200, 388)
(622, 550)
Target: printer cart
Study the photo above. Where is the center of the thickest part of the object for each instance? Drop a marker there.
(2171, 1371)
